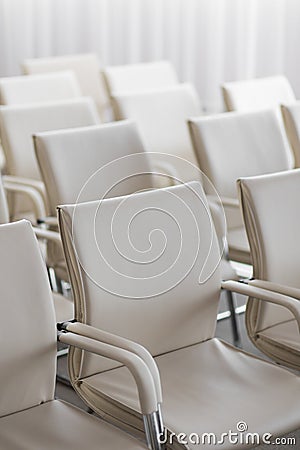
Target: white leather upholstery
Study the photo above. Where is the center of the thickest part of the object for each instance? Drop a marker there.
(291, 118)
(33, 345)
(259, 93)
(271, 212)
(93, 162)
(200, 386)
(38, 88)
(30, 418)
(161, 116)
(232, 145)
(86, 68)
(64, 307)
(57, 425)
(135, 268)
(19, 123)
(139, 77)
(124, 280)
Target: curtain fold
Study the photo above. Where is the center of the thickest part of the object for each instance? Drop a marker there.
(208, 41)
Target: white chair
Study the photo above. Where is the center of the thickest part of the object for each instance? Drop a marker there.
(139, 77)
(145, 267)
(232, 145)
(89, 163)
(258, 93)
(30, 416)
(86, 67)
(38, 88)
(161, 116)
(271, 211)
(17, 125)
(63, 306)
(291, 119)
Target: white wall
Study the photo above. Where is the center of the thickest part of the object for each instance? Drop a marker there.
(209, 41)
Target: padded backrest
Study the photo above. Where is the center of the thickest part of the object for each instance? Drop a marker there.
(139, 77)
(4, 214)
(38, 88)
(232, 145)
(271, 210)
(291, 118)
(91, 163)
(259, 93)
(86, 68)
(161, 117)
(18, 124)
(144, 266)
(27, 322)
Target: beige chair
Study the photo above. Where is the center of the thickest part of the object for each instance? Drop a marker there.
(103, 161)
(30, 416)
(161, 116)
(89, 163)
(35, 89)
(271, 211)
(258, 93)
(145, 267)
(38, 88)
(139, 77)
(63, 306)
(232, 145)
(291, 119)
(86, 67)
(17, 125)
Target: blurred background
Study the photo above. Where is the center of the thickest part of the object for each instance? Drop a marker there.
(208, 41)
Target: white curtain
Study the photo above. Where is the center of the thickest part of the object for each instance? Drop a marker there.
(208, 41)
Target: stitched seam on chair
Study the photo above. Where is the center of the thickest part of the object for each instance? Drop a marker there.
(276, 324)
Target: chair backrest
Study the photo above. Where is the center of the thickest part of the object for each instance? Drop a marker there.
(258, 93)
(86, 68)
(144, 262)
(38, 88)
(161, 117)
(18, 124)
(27, 322)
(139, 77)
(291, 119)
(4, 213)
(91, 163)
(271, 210)
(232, 145)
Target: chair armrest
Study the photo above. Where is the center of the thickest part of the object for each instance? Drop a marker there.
(48, 220)
(138, 368)
(118, 341)
(30, 182)
(32, 193)
(275, 287)
(267, 295)
(53, 236)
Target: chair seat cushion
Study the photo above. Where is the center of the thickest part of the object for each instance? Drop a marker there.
(282, 342)
(64, 307)
(57, 425)
(210, 387)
